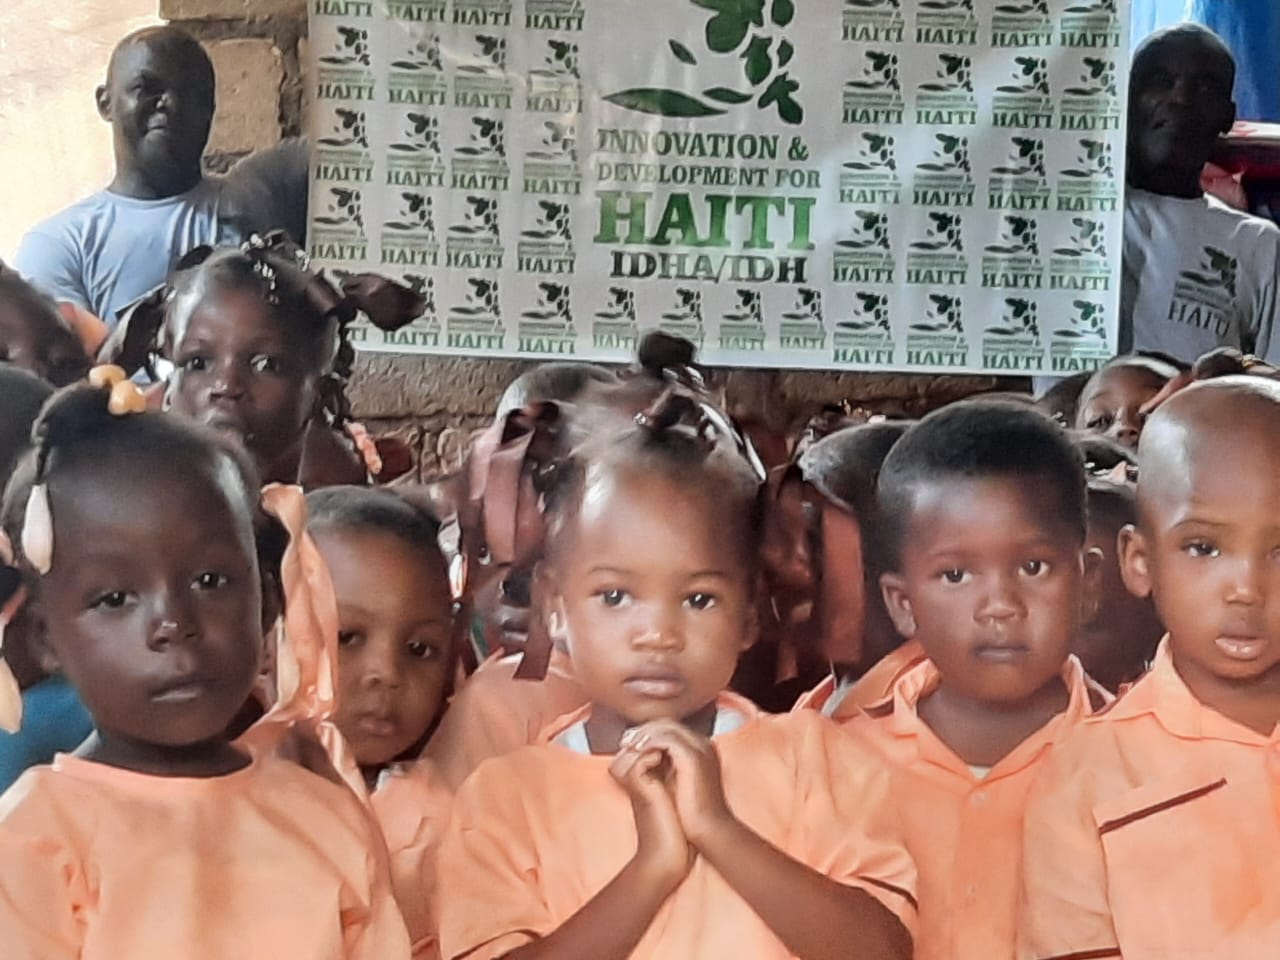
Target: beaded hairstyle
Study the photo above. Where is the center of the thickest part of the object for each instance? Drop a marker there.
(105, 416)
(279, 271)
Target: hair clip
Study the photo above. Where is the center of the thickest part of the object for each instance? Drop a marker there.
(126, 397)
(267, 274)
(37, 530)
(256, 249)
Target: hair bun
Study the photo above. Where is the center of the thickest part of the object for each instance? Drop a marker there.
(659, 351)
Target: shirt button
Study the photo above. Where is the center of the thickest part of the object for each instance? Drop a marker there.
(980, 797)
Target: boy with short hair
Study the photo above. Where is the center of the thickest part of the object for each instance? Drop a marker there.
(983, 511)
(1154, 829)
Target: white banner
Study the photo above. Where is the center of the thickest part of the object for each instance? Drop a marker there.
(917, 185)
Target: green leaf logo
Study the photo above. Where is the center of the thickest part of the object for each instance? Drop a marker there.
(751, 30)
(683, 53)
(664, 103)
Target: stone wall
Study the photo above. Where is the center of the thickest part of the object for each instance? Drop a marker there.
(258, 47)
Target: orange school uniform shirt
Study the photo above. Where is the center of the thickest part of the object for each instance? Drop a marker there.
(267, 863)
(964, 831)
(843, 702)
(536, 834)
(412, 805)
(1153, 833)
(494, 713)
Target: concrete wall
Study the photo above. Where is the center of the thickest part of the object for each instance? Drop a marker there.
(434, 402)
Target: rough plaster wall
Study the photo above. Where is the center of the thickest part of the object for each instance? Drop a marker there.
(435, 402)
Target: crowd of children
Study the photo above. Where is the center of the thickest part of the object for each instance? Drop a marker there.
(641, 680)
(246, 735)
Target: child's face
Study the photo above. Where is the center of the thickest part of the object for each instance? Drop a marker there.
(241, 371)
(990, 588)
(652, 603)
(153, 606)
(1207, 548)
(1116, 642)
(41, 344)
(394, 642)
(1112, 400)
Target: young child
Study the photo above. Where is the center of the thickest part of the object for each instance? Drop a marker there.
(983, 515)
(395, 662)
(1112, 402)
(260, 352)
(1153, 829)
(494, 712)
(846, 466)
(35, 336)
(53, 718)
(668, 819)
(160, 838)
(395, 617)
(1116, 643)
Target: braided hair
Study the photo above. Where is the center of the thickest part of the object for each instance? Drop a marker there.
(276, 271)
(679, 435)
(76, 435)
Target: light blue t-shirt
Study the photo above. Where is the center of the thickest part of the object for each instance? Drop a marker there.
(53, 721)
(107, 250)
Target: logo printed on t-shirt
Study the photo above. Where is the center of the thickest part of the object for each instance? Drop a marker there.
(1203, 297)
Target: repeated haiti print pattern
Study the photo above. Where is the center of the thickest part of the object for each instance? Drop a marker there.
(918, 185)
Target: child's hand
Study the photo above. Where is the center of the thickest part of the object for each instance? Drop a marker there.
(695, 783)
(663, 852)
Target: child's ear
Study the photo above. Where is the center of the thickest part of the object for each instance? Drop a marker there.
(546, 600)
(1135, 561)
(893, 587)
(557, 622)
(1091, 586)
(102, 98)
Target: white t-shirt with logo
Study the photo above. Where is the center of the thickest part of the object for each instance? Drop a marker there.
(1198, 275)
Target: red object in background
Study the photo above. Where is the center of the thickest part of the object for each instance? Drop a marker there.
(1251, 153)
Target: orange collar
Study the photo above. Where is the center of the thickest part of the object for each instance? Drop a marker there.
(1164, 695)
(899, 715)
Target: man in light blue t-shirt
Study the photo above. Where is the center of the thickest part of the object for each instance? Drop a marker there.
(112, 247)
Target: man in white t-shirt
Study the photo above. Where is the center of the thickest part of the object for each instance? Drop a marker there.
(112, 247)
(1197, 274)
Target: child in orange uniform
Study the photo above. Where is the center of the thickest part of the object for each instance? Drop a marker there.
(160, 837)
(1154, 830)
(983, 513)
(395, 658)
(845, 466)
(667, 818)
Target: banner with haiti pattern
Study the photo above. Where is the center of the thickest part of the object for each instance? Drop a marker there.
(916, 185)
